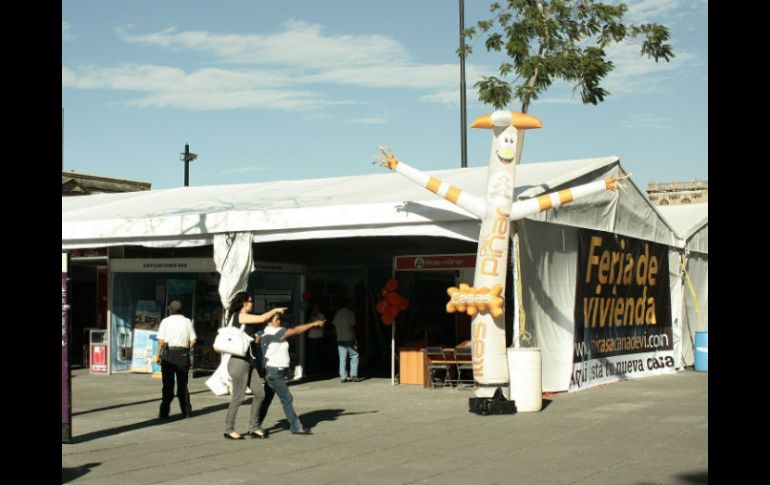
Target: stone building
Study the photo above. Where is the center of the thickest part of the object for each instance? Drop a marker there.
(675, 193)
(74, 183)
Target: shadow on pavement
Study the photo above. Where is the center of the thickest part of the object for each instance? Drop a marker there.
(313, 418)
(688, 478)
(151, 422)
(115, 406)
(69, 474)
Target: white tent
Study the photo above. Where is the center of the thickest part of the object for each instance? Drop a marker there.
(386, 204)
(369, 205)
(689, 265)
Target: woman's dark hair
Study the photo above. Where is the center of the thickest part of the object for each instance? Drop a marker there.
(237, 302)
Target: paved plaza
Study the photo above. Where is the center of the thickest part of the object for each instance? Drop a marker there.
(652, 430)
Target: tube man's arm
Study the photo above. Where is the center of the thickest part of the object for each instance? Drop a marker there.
(524, 208)
(472, 204)
(519, 209)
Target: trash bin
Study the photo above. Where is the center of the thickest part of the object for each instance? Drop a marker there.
(702, 351)
(525, 372)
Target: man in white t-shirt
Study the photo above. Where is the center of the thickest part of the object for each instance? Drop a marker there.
(177, 332)
(344, 323)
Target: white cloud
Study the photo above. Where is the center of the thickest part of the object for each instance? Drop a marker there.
(282, 70)
(301, 44)
(634, 73)
(242, 170)
(653, 10)
(448, 97)
(203, 89)
(372, 120)
(647, 121)
(300, 54)
(66, 32)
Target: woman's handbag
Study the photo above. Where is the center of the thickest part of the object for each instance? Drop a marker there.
(231, 340)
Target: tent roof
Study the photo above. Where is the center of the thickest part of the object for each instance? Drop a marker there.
(690, 221)
(380, 204)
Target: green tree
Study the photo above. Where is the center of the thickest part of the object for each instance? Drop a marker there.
(547, 40)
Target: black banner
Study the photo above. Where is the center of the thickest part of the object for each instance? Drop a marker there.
(622, 300)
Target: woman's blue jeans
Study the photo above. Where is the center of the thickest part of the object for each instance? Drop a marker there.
(276, 379)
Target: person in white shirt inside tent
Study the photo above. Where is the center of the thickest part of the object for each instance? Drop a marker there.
(344, 323)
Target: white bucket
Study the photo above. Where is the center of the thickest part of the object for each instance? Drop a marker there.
(526, 376)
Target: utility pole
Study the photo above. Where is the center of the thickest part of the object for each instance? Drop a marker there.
(187, 157)
(463, 141)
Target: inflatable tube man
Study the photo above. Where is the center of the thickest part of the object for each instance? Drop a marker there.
(484, 301)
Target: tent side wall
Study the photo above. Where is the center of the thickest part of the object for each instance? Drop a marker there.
(695, 313)
(548, 269)
(676, 288)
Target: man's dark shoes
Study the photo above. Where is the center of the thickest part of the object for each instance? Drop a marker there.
(233, 436)
(258, 434)
(303, 431)
(356, 379)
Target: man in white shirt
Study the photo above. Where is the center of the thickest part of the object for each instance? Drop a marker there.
(177, 332)
(344, 323)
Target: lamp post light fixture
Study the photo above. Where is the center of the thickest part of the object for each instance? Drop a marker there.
(187, 157)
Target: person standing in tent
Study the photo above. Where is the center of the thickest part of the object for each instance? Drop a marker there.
(344, 323)
(315, 341)
(243, 370)
(276, 350)
(177, 333)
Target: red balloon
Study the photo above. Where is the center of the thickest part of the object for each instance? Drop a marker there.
(393, 298)
(381, 306)
(388, 321)
(390, 311)
(403, 304)
(391, 285)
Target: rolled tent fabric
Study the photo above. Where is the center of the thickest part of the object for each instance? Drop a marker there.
(234, 259)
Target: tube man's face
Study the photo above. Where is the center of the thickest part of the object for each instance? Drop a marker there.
(506, 148)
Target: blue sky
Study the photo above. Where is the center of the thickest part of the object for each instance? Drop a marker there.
(292, 89)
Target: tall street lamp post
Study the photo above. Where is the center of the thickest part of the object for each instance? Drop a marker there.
(463, 141)
(187, 157)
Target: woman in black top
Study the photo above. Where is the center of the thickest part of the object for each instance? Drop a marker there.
(243, 370)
